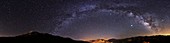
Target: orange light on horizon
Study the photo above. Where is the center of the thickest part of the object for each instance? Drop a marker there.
(100, 41)
(165, 34)
(88, 38)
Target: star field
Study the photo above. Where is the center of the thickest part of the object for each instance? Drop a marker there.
(85, 19)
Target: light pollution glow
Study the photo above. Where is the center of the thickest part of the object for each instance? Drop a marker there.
(164, 33)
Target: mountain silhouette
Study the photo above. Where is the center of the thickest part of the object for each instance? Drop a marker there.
(143, 39)
(36, 37)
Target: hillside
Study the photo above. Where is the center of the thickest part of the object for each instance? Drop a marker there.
(144, 39)
(35, 37)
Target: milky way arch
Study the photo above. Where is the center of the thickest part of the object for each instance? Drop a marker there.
(149, 20)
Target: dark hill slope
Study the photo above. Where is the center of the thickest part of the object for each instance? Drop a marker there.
(144, 39)
(35, 37)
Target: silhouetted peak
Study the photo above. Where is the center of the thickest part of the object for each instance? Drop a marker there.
(34, 36)
(34, 32)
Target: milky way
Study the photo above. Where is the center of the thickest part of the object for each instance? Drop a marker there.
(85, 19)
(134, 11)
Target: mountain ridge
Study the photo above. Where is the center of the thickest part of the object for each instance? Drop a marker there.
(36, 37)
(144, 39)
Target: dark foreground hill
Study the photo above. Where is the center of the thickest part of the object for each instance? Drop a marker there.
(144, 39)
(35, 37)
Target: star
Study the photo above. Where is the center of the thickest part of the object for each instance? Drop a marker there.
(131, 25)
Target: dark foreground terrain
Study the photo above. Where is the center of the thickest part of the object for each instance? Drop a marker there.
(35, 37)
(144, 39)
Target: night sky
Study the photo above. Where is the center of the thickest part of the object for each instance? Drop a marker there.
(85, 19)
